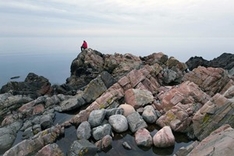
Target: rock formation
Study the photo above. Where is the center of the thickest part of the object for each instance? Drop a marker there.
(110, 95)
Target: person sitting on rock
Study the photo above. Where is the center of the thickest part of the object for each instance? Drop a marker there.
(84, 46)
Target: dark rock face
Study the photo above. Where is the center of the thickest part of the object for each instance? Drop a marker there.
(33, 85)
(225, 61)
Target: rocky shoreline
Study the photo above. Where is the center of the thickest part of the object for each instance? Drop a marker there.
(112, 94)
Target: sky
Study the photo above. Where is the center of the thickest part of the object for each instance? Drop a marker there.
(179, 28)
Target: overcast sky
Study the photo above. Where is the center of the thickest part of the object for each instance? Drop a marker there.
(175, 27)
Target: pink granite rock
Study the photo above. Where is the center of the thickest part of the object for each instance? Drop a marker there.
(164, 138)
(143, 138)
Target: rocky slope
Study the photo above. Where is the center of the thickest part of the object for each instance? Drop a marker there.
(112, 94)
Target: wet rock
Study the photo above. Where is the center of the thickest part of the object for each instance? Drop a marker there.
(149, 114)
(82, 147)
(96, 117)
(101, 131)
(219, 142)
(135, 122)
(8, 135)
(138, 98)
(84, 131)
(128, 109)
(105, 143)
(114, 111)
(143, 138)
(46, 121)
(27, 133)
(119, 123)
(38, 141)
(126, 146)
(164, 138)
(186, 150)
(50, 150)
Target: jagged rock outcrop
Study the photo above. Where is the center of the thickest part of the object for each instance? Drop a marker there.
(215, 113)
(33, 85)
(225, 61)
(90, 63)
(210, 80)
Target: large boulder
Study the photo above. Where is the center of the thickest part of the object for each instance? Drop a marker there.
(143, 138)
(138, 98)
(118, 122)
(164, 138)
(135, 121)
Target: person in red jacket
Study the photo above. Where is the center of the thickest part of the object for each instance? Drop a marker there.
(84, 45)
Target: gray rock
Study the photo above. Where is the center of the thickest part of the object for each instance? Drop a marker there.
(149, 114)
(46, 121)
(135, 121)
(96, 117)
(107, 79)
(36, 128)
(8, 135)
(8, 102)
(72, 103)
(119, 123)
(94, 89)
(83, 131)
(53, 100)
(113, 111)
(27, 124)
(101, 131)
(169, 76)
(82, 147)
(27, 133)
(126, 146)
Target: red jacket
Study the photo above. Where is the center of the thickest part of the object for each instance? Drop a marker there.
(84, 45)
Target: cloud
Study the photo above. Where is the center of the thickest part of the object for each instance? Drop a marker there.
(168, 18)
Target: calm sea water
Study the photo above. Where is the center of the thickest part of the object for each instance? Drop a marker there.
(55, 67)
